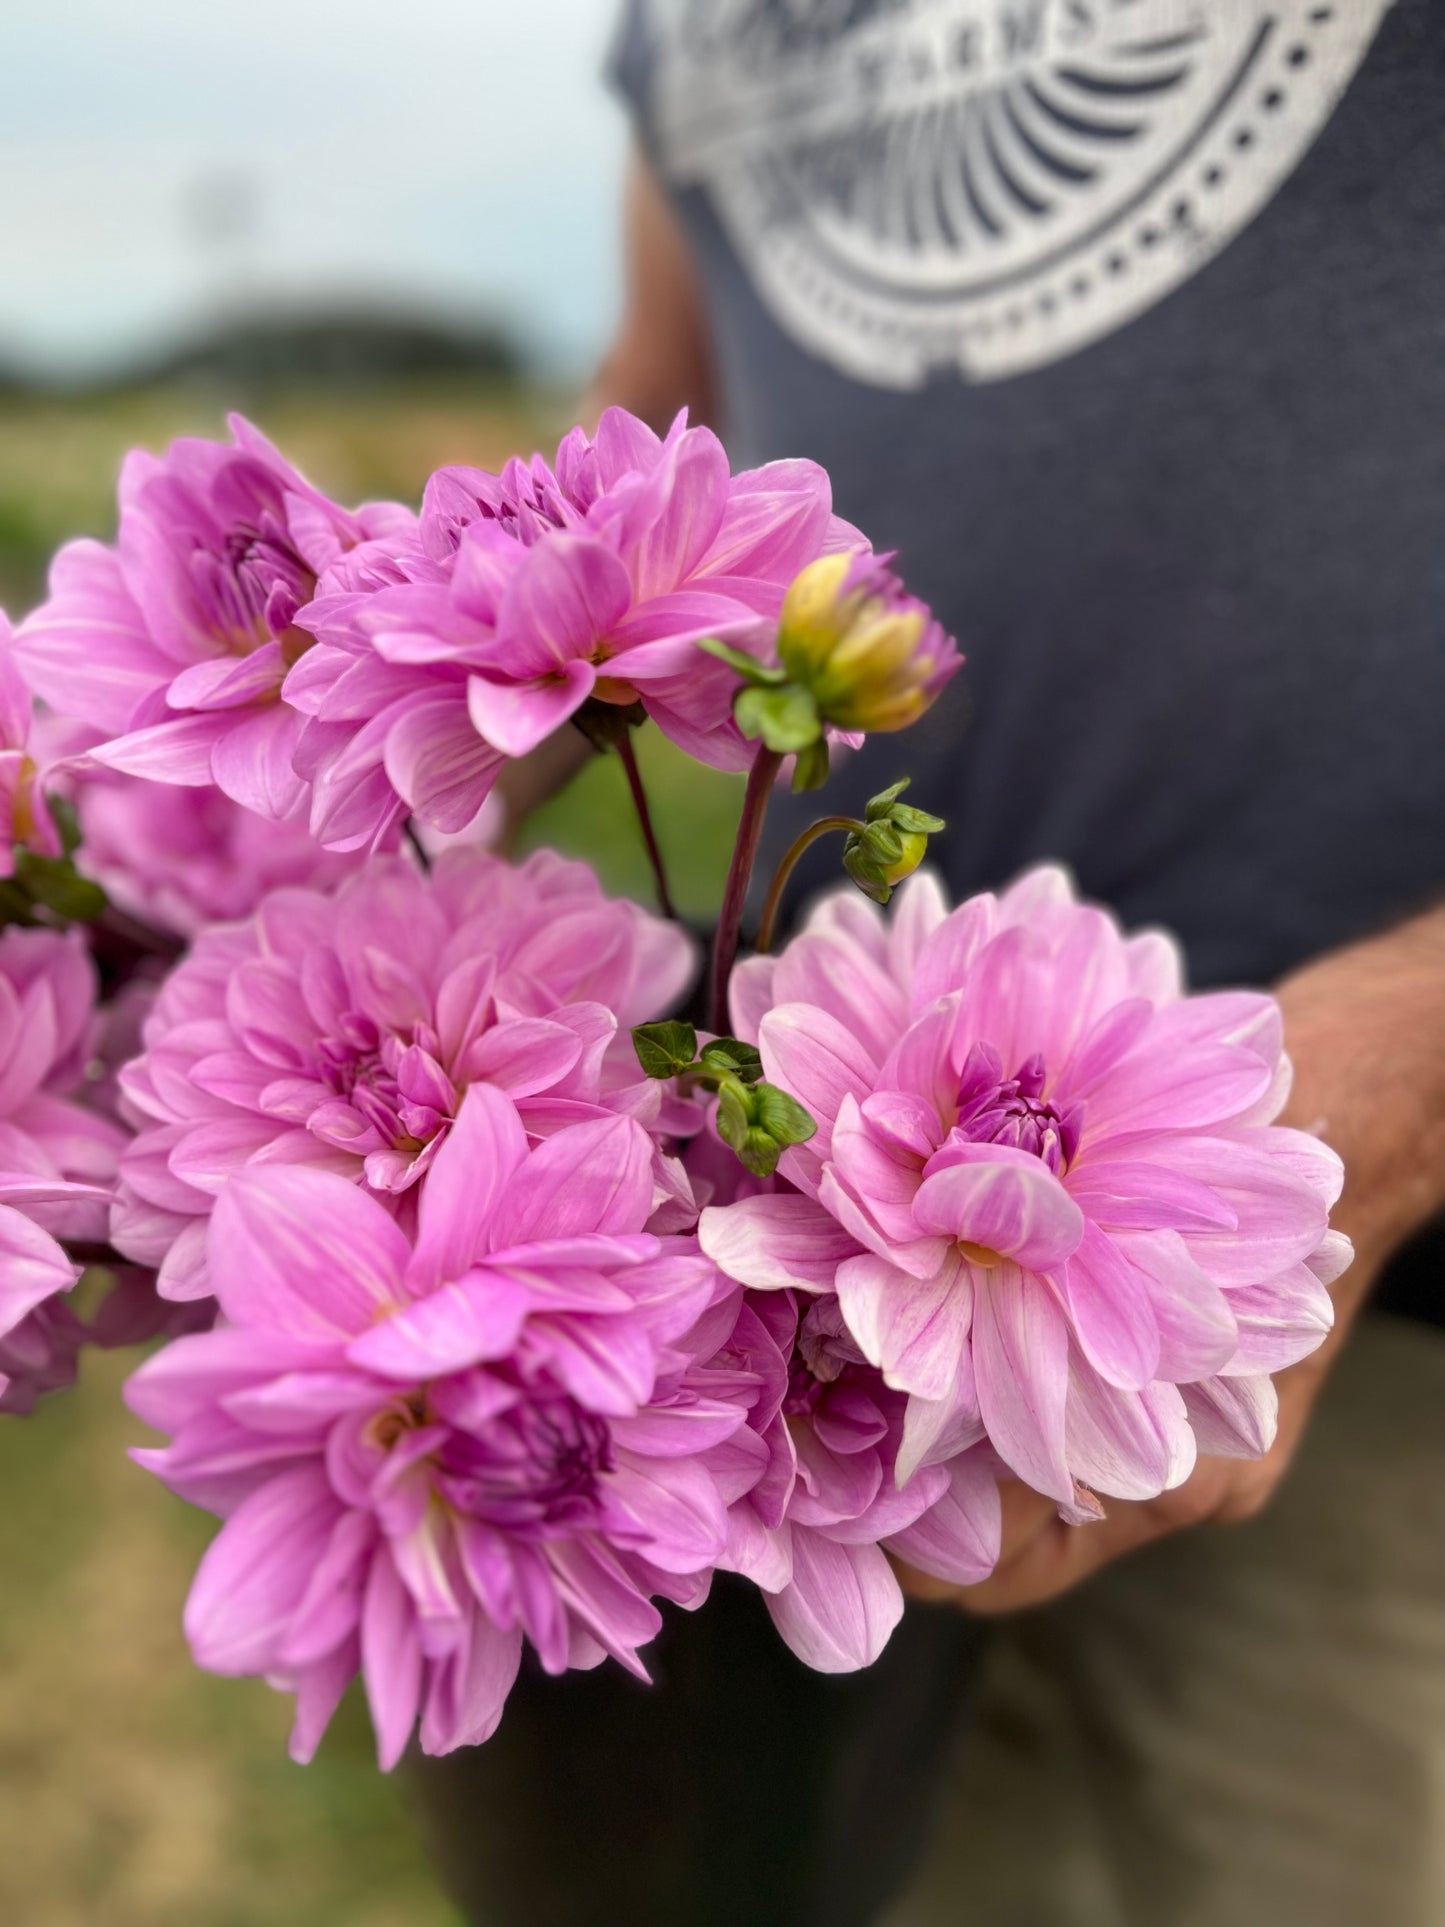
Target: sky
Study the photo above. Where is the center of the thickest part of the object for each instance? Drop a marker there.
(161, 160)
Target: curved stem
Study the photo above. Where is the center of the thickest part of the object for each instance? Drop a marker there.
(761, 777)
(644, 819)
(825, 826)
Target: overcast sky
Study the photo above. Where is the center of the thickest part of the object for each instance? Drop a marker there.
(158, 156)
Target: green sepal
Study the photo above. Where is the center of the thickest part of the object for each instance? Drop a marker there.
(606, 724)
(63, 816)
(810, 772)
(665, 1049)
(878, 806)
(785, 718)
(914, 822)
(728, 1056)
(748, 667)
(782, 1117)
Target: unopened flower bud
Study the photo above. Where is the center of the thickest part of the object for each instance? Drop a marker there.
(891, 844)
(871, 656)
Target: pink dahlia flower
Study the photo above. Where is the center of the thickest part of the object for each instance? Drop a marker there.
(530, 592)
(174, 643)
(184, 858)
(814, 1531)
(57, 1156)
(343, 1030)
(1045, 1184)
(25, 819)
(424, 1454)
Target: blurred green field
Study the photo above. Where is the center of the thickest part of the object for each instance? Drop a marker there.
(135, 1791)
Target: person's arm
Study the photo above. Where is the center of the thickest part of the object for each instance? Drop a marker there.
(660, 360)
(1365, 1028)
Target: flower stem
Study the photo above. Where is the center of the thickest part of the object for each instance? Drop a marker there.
(644, 819)
(761, 777)
(413, 837)
(825, 826)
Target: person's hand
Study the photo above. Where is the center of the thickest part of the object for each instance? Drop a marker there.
(1365, 1028)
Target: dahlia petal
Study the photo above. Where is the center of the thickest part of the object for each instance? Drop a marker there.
(937, 1430)
(775, 1243)
(1157, 1088)
(1197, 1329)
(33, 1267)
(473, 1320)
(1122, 1195)
(173, 752)
(468, 1179)
(840, 1607)
(437, 762)
(673, 1506)
(948, 956)
(255, 1572)
(515, 717)
(1128, 1445)
(1021, 1365)
(958, 1537)
(1003, 1199)
(913, 1329)
(1233, 1418)
(467, 1693)
(814, 1058)
(523, 1057)
(320, 1689)
(595, 1177)
(1112, 1312)
(565, 596)
(303, 1252)
(1279, 1323)
(391, 1660)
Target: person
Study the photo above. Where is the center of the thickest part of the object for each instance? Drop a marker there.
(1120, 320)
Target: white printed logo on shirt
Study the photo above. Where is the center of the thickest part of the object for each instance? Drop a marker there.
(988, 185)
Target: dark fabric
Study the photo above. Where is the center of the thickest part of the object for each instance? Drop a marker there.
(1197, 567)
(740, 1788)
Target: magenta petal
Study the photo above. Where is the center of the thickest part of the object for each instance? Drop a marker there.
(515, 717)
(456, 1325)
(1112, 1312)
(303, 1252)
(256, 1570)
(33, 1267)
(391, 1660)
(1021, 1365)
(173, 752)
(438, 764)
(958, 1537)
(468, 1691)
(841, 1605)
(1128, 1445)
(816, 1059)
(913, 1329)
(468, 1178)
(1279, 1323)
(776, 1243)
(592, 1177)
(1005, 1200)
(1196, 1320)
(1233, 1418)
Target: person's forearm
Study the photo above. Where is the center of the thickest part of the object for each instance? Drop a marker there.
(1365, 1029)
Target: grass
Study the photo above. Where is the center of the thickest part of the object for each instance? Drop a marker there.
(134, 1790)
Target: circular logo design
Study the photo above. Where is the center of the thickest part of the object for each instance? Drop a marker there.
(988, 185)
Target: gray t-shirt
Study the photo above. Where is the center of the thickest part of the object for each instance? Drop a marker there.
(1124, 322)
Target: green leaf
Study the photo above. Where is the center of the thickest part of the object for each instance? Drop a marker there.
(786, 719)
(810, 772)
(726, 1054)
(781, 1116)
(759, 1153)
(748, 667)
(665, 1049)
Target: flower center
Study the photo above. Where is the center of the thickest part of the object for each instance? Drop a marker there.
(994, 1109)
(537, 1464)
(252, 590)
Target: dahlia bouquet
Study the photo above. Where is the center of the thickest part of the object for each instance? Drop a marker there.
(498, 1295)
